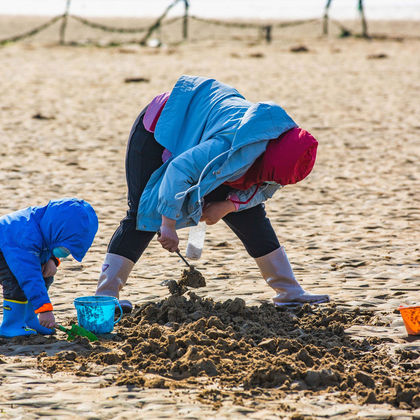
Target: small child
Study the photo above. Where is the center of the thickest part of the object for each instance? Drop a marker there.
(32, 241)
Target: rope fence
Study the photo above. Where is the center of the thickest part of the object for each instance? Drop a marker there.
(106, 28)
(265, 29)
(32, 32)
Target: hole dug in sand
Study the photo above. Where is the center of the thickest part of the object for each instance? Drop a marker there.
(184, 342)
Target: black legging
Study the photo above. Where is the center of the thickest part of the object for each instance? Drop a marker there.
(144, 156)
(11, 288)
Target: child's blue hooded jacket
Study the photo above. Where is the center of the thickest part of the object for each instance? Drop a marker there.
(28, 236)
(214, 135)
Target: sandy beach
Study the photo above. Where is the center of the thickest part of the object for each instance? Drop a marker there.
(351, 230)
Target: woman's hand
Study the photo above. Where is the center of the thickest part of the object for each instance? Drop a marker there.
(49, 268)
(214, 211)
(47, 319)
(168, 237)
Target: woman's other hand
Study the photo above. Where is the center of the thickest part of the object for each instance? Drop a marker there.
(214, 211)
(168, 237)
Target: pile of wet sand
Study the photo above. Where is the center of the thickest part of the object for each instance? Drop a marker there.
(190, 277)
(223, 346)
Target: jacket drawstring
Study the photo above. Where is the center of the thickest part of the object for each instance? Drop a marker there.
(181, 195)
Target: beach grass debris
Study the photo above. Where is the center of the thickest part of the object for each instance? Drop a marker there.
(136, 80)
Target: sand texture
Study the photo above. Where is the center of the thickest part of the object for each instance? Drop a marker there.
(351, 229)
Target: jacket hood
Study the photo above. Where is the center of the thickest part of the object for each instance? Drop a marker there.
(71, 223)
(199, 109)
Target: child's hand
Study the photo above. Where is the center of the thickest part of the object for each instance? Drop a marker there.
(47, 319)
(214, 211)
(49, 268)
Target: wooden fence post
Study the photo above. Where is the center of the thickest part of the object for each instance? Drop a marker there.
(325, 22)
(326, 10)
(268, 33)
(364, 23)
(185, 21)
(64, 23)
(158, 22)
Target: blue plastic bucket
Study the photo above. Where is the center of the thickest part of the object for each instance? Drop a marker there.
(96, 313)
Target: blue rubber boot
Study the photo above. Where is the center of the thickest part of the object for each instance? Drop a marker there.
(31, 320)
(13, 324)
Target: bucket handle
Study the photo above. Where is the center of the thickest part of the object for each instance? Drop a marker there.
(121, 312)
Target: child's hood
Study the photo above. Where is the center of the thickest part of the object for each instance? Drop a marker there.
(71, 223)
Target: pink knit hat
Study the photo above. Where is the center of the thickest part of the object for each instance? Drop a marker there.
(286, 160)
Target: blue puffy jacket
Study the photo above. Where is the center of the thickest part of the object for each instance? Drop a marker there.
(28, 236)
(214, 135)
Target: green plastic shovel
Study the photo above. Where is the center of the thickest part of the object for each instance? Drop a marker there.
(77, 331)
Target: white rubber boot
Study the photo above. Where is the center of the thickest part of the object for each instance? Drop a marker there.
(278, 273)
(113, 277)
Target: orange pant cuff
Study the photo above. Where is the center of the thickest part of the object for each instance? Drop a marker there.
(46, 307)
